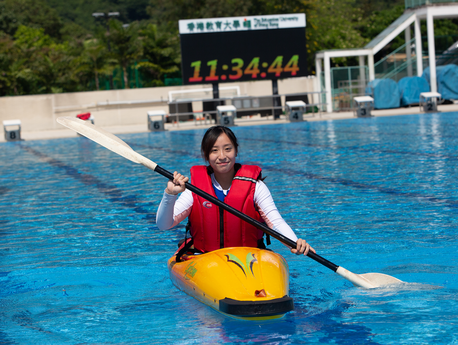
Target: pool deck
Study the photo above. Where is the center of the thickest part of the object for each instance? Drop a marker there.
(254, 121)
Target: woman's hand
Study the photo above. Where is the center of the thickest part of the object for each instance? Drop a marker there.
(177, 185)
(302, 247)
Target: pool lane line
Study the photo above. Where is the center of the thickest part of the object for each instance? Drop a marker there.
(374, 132)
(164, 149)
(4, 190)
(358, 148)
(115, 195)
(308, 130)
(362, 186)
(332, 180)
(335, 147)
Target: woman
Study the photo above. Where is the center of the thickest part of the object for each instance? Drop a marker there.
(240, 186)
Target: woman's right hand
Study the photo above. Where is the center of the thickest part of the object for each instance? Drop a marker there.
(177, 185)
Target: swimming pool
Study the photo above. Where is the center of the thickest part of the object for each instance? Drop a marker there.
(82, 261)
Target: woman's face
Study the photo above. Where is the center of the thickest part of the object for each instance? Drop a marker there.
(222, 155)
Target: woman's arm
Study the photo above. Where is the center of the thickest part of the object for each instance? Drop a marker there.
(269, 212)
(171, 211)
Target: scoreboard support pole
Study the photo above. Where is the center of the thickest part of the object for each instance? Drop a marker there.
(215, 96)
(276, 101)
(215, 91)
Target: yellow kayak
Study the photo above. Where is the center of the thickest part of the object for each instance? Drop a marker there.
(247, 283)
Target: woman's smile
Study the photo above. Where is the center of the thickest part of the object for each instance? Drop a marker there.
(222, 156)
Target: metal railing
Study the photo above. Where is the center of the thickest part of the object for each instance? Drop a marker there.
(346, 83)
(417, 3)
(395, 60)
(251, 113)
(408, 68)
(342, 97)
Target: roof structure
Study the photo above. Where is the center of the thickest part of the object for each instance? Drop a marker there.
(424, 10)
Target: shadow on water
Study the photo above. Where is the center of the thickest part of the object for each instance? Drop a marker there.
(303, 325)
(339, 332)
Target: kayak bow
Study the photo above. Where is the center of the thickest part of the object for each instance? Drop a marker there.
(247, 283)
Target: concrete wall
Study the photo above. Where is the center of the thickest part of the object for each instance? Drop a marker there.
(39, 112)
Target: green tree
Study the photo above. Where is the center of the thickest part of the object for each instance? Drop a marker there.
(161, 52)
(94, 62)
(170, 11)
(55, 68)
(369, 7)
(41, 65)
(334, 24)
(134, 10)
(8, 20)
(30, 47)
(31, 39)
(13, 69)
(18, 74)
(79, 12)
(31, 13)
(125, 45)
(378, 21)
(281, 6)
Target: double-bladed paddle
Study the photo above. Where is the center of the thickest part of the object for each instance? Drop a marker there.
(113, 143)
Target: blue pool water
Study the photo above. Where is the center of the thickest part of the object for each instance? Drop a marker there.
(82, 261)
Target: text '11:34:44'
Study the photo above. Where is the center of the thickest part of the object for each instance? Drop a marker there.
(237, 69)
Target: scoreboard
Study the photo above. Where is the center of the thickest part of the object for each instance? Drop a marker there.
(218, 50)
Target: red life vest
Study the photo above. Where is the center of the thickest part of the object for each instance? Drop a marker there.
(205, 217)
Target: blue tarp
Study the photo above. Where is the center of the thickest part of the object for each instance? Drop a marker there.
(410, 89)
(385, 93)
(447, 80)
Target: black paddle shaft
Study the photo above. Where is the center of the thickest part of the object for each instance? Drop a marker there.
(248, 219)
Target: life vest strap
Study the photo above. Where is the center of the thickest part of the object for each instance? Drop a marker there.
(243, 178)
(184, 249)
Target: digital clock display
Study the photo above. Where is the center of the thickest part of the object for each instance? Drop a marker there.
(243, 56)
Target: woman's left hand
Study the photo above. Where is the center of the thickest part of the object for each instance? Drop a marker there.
(302, 247)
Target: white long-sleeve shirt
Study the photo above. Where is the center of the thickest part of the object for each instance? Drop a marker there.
(173, 209)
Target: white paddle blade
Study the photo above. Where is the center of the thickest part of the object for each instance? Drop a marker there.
(106, 139)
(355, 279)
(380, 279)
(368, 280)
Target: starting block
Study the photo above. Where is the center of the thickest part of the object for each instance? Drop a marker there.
(156, 120)
(363, 105)
(226, 114)
(12, 130)
(295, 110)
(429, 100)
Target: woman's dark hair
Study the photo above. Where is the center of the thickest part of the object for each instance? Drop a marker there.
(210, 137)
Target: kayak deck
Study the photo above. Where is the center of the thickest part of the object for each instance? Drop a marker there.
(247, 283)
